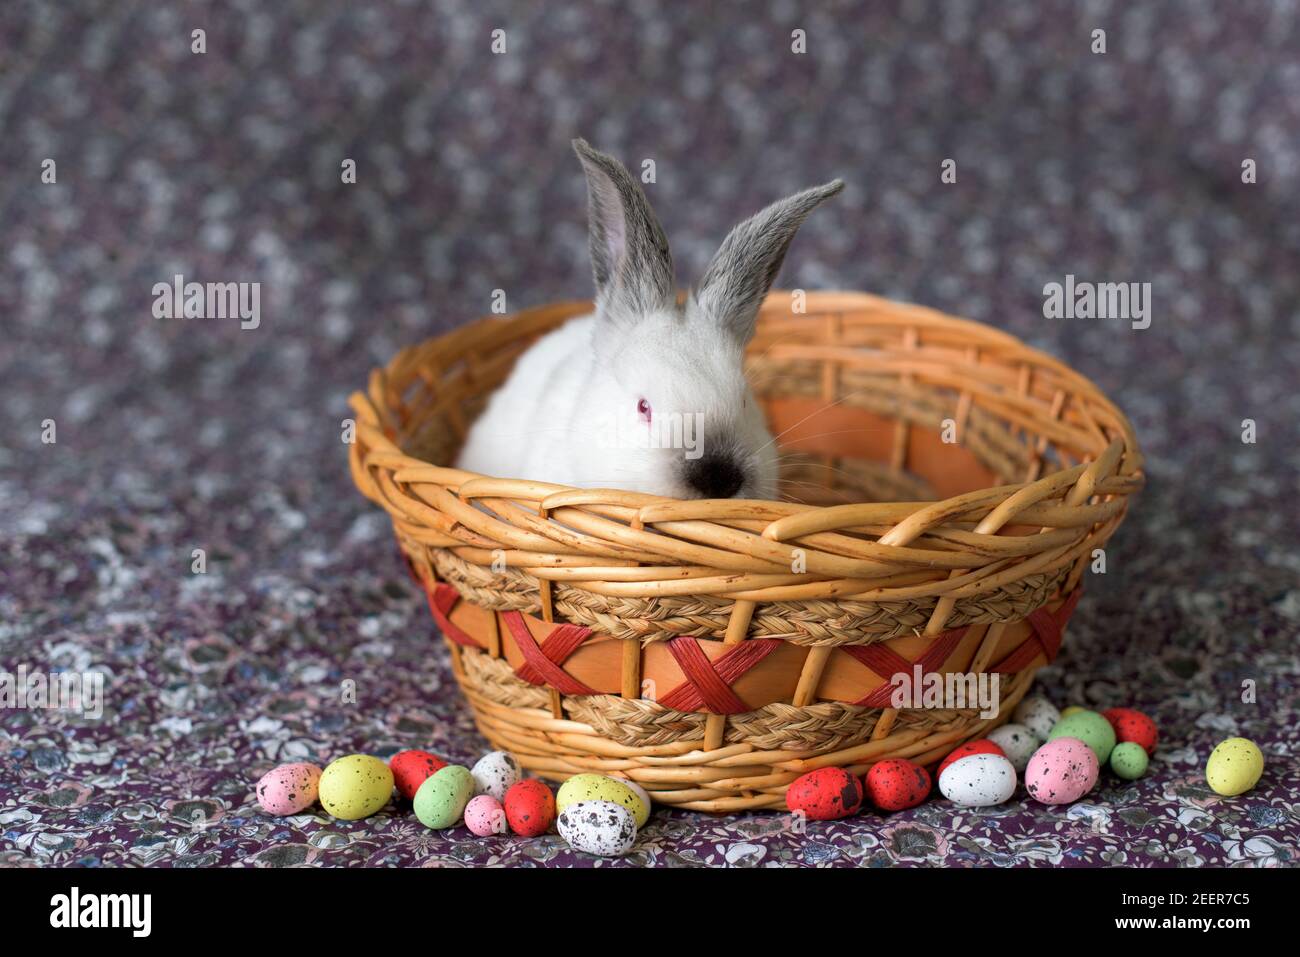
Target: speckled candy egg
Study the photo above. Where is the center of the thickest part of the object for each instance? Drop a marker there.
(1090, 728)
(825, 794)
(1038, 715)
(1017, 742)
(1061, 771)
(411, 769)
(1234, 767)
(978, 780)
(602, 828)
(495, 773)
(485, 816)
(642, 793)
(441, 800)
(1128, 760)
(530, 808)
(355, 786)
(1072, 709)
(1133, 725)
(598, 787)
(978, 746)
(288, 789)
(897, 783)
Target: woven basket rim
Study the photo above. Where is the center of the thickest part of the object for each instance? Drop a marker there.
(1115, 472)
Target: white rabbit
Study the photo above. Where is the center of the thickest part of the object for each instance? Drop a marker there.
(645, 394)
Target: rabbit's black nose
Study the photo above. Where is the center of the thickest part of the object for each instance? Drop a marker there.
(714, 476)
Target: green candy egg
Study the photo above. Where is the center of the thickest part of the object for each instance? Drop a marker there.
(1234, 767)
(440, 801)
(1129, 760)
(1090, 728)
(598, 787)
(355, 786)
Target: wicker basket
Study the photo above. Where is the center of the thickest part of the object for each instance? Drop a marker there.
(713, 651)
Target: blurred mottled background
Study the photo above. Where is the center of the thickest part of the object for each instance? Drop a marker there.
(225, 166)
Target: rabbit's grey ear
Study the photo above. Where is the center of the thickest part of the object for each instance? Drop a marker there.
(745, 265)
(629, 252)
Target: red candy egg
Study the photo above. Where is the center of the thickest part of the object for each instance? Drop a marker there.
(1131, 725)
(897, 783)
(825, 794)
(410, 768)
(978, 746)
(530, 807)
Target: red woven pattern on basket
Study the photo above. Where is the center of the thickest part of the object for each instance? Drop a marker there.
(542, 663)
(886, 662)
(708, 683)
(1046, 639)
(442, 599)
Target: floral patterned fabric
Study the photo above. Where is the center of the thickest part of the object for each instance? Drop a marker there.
(176, 435)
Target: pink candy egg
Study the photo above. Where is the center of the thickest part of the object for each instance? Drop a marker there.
(485, 816)
(288, 789)
(1061, 771)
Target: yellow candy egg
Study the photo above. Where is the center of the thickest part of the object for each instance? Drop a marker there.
(1073, 709)
(597, 787)
(355, 786)
(1234, 766)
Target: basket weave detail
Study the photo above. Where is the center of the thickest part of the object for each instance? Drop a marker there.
(803, 623)
(638, 723)
(709, 680)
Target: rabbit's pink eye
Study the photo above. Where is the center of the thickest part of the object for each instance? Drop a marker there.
(643, 407)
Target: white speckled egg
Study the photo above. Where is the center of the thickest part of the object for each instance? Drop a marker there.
(1017, 742)
(1038, 715)
(495, 773)
(978, 780)
(602, 828)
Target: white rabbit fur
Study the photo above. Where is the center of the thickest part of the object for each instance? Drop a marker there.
(645, 394)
